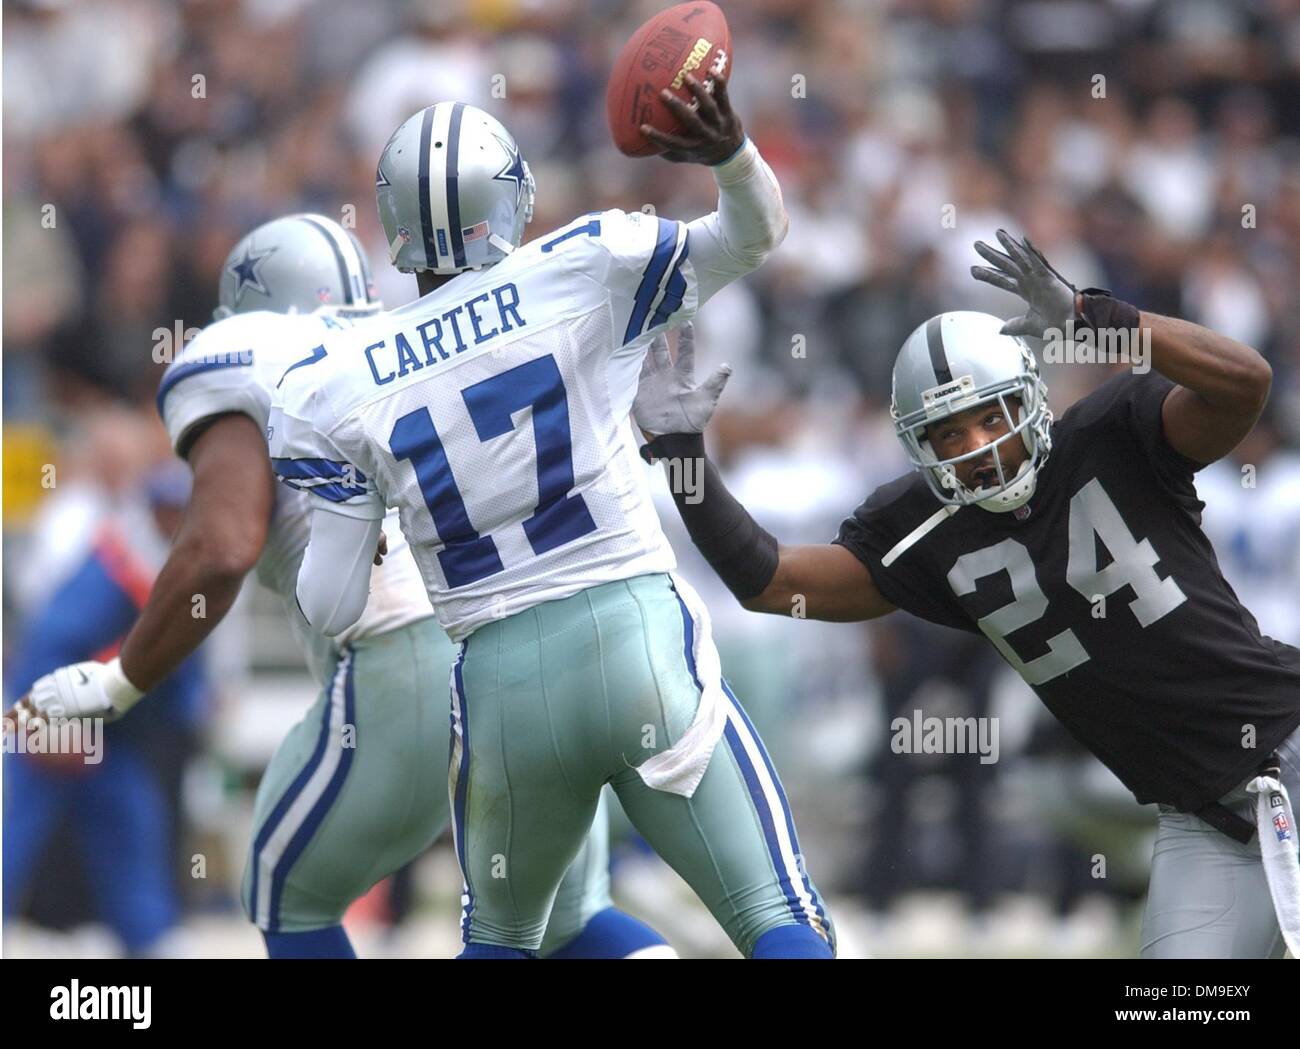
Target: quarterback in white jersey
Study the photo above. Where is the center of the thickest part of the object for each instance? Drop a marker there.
(349, 796)
(493, 412)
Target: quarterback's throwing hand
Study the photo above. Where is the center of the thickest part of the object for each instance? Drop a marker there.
(667, 399)
(1023, 271)
(713, 131)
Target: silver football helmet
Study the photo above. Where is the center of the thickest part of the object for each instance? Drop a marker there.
(956, 361)
(297, 264)
(454, 193)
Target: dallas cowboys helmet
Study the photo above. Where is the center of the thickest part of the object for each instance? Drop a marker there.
(297, 264)
(956, 361)
(454, 193)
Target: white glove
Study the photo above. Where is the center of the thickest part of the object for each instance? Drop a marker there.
(84, 690)
(1024, 271)
(667, 399)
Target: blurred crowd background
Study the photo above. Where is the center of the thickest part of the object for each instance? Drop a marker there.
(1147, 146)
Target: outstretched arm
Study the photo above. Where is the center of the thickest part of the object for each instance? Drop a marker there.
(1222, 384)
(816, 582)
(822, 581)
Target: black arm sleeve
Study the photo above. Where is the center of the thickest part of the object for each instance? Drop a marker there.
(735, 545)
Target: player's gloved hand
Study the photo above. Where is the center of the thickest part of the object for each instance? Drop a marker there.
(1023, 271)
(668, 399)
(712, 131)
(83, 690)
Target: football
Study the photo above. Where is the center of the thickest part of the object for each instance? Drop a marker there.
(687, 38)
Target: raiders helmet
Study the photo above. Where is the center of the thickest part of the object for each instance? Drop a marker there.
(454, 193)
(297, 264)
(956, 361)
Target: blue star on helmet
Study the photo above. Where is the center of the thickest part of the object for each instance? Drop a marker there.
(514, 169)
(245, 272)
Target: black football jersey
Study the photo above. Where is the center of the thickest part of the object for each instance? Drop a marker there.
(1106, 597)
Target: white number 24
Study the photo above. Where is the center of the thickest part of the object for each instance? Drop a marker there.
(1091, 513)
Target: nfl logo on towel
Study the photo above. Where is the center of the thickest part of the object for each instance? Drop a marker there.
(1282, 827)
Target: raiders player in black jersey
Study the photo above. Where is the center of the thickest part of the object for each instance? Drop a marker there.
(1075, 546)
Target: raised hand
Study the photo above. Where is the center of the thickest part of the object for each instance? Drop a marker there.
(712, 130)
(1023, 271)
(668, 399)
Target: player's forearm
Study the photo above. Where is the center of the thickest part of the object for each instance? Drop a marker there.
(218, 543)
(334, 578)
(192, 594)
(1222, 371)
(743, 555)
(824, 582)
(751, 214)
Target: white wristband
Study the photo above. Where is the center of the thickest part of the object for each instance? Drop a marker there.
(119, 690)
(739, 166)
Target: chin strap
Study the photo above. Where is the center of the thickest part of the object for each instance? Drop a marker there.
(1014, 495)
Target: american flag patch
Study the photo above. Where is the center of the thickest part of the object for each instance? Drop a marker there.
(475, 232)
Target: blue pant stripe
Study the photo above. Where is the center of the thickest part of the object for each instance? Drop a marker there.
(462, 787)
(765, 817)
(747, 770)
(282, 806)
(299, 842)
(780, 792)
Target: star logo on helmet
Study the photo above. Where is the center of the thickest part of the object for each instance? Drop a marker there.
(246, 274)
(380, 178)
(514, 169)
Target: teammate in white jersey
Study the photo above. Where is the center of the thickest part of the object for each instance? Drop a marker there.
(494, 413)
(355, 791)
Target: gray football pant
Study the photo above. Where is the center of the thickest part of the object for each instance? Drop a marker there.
(1208, 896)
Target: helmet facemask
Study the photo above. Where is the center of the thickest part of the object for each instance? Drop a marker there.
(1032, 421)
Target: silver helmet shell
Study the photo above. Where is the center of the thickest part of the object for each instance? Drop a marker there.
(956, 361)
(453, 190)
(297, 264)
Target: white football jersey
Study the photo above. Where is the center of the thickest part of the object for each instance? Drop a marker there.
(233, 365)
(494, 413)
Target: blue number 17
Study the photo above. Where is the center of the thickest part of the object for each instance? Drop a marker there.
(559, 518)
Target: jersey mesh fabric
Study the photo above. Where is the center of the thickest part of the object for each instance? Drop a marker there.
(233, 366)
(498, 478)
